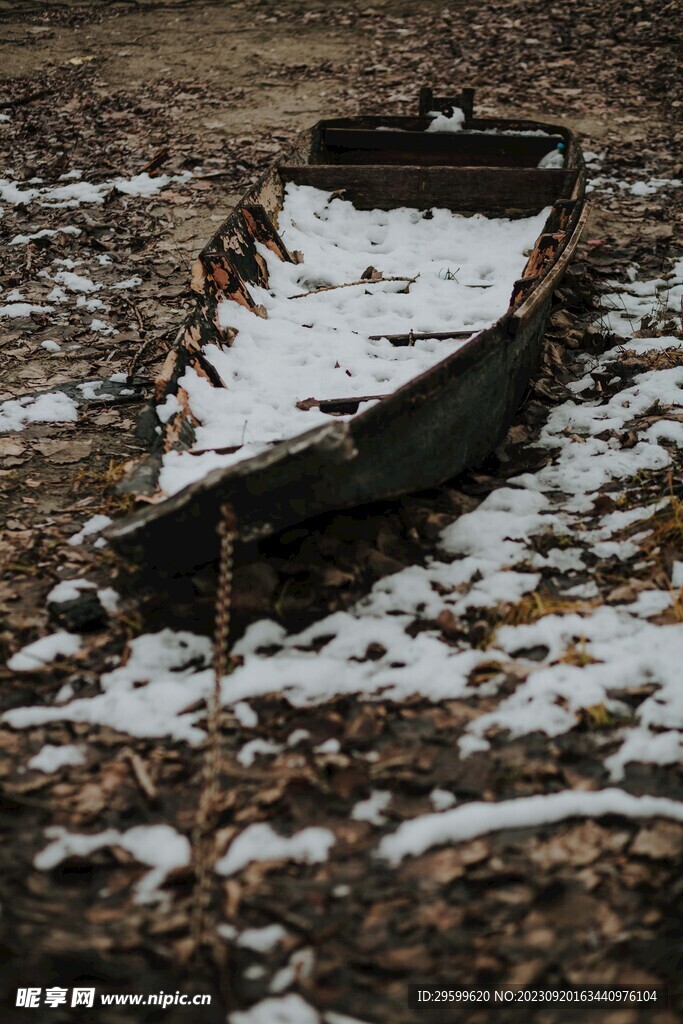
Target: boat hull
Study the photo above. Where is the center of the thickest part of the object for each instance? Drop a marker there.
(442, 422)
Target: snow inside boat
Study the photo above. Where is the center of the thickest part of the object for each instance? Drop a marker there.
(367, 321)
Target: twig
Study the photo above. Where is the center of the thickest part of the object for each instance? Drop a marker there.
(352, 284)
(397, 339)
(142, 776)
(157, 160)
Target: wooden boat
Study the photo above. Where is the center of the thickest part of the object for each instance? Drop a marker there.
(443, 420)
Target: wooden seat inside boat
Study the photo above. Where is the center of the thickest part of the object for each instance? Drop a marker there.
(511, 191)
(411, 141)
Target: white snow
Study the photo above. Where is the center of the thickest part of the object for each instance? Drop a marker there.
(648, 188)
(148, 696)
(13, 310)
(94, 525)
(255, 748)
(44, 651)
(607, 184)
(477, 819)
(53, 407)
(92, 391)
(452, 122)
(298, 736)
(330, 746)
(260, 843)
(109, 599)
(51, 758)
(371, 809)
(262, 940)
(68, 590)
(145, 185)
(130, 282)
(45, 233)
(441, 799)
(76, 282)
(78, 192)
(298, 968)
(101, 326)
(289, 1009)
(10, 192)
(51, 346)
(245, 714)
(159, 847)
(319, 346)
(74, 194)
(552, 161)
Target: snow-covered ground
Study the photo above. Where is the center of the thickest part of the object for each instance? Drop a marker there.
(65, 286)
(489, 558)
(567, 662)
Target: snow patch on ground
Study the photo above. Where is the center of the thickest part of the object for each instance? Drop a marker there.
(44, 651)
(51, 759)
(372, 809)
(148, 696)
(260, 843)
(53, 407)
(94, 525)
(85, 192)
(14, 310)
(477, 819)
(159, 847)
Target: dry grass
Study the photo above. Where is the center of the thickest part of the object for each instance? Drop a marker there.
(119, 504)
(536, 605)
(676, 602)
(667, 527)
(596, 716)
(576, 654)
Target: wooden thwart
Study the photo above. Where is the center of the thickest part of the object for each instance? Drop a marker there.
(461, 189)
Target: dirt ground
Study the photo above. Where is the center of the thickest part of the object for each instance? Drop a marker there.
(217, 89)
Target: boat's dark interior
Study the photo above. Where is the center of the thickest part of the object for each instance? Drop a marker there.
(407, 141)
(490, 166)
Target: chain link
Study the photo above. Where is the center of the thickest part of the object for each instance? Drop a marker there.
(207, 812)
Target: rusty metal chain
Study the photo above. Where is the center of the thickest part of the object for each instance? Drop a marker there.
(203, 839)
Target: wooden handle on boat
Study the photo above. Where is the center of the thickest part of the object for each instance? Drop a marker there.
(428, 101)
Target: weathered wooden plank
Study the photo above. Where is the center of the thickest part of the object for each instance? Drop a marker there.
(337, 406)
(419, 124)
(551, 277)
(462, 189)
